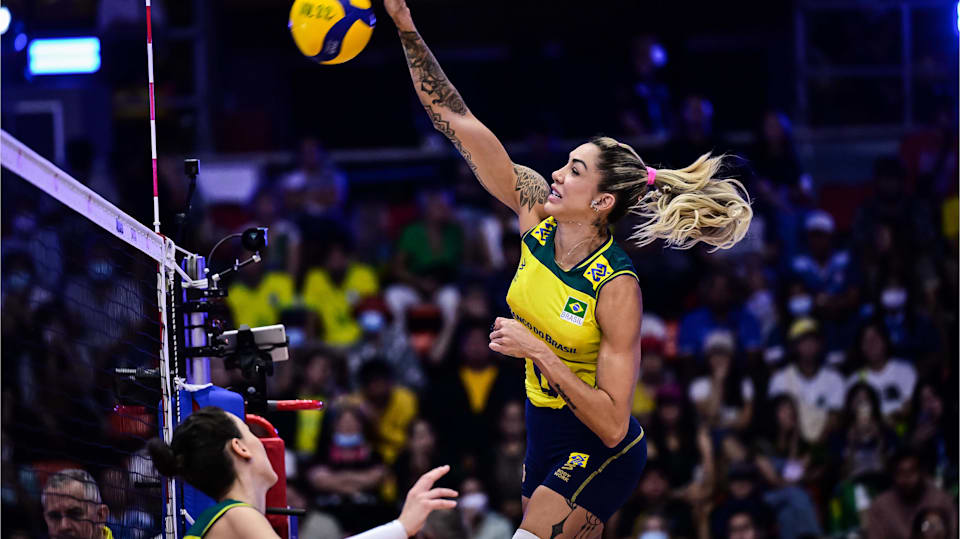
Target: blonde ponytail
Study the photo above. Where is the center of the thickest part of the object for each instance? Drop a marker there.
(687, 206)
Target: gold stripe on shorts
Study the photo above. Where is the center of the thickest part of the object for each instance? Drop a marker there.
(604, 465)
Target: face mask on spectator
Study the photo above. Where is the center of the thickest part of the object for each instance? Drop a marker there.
(800, 305)
(347, 440)
(894, 299)
(372, 321)
(476, 501)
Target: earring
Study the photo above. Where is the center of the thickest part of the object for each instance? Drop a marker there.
(593, 204)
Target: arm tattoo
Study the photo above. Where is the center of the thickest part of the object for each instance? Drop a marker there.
(533, 187)
(565, 397)
(426, 71)
(444, 127)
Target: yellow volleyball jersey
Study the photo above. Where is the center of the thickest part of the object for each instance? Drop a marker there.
(559, 306)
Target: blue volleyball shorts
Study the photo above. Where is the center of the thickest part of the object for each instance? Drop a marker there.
(568, 458)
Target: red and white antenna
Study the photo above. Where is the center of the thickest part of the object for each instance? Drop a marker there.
(153, 122)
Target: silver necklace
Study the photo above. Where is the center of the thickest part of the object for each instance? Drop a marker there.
(581, 242)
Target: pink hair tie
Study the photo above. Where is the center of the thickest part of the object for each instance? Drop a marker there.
(651, 175)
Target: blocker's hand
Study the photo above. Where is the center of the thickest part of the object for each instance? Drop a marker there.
(511, 338)
(398, 10)
(422, 500)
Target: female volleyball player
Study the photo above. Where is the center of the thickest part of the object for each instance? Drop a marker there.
(216, 453)
(575, 297)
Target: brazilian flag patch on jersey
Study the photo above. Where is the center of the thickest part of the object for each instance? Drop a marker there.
(574, 311)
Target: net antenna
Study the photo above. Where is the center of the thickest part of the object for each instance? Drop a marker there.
(153, 121)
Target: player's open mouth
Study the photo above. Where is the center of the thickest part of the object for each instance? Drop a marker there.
(555, 193)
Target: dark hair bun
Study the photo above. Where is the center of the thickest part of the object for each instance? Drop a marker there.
(163, 457)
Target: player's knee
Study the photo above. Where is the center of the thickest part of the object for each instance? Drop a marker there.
(524, 534)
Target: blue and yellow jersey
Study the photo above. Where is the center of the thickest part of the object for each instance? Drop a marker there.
(559, 306)
(210, 515)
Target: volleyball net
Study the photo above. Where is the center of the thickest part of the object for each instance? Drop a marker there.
(87, 346)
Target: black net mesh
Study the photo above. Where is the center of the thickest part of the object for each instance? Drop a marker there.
(77, 304)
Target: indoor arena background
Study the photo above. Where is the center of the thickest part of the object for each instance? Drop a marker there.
(845, 115)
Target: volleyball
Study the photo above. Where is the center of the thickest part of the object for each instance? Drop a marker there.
(331, 31)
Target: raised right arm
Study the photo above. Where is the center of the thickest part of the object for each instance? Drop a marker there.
(519, 187)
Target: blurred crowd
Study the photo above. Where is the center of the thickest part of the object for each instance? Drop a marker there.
(802, 384)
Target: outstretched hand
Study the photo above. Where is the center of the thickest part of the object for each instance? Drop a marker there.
(422, 499)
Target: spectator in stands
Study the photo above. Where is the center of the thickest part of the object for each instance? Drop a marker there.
(783, 456)
(930, 153)
(787, 463)
(913, 335)
(319, 382)
(742, 495)
(334, 288)
(653, 371)
(774, 158)
(654, 526)
(347, 473)
(420, 454)
(892, 513)
(508, 461)
(104, 297)
(464, 400)
(827, 272)
(684, 450)
(72, 506)
(480, 521)
(384, 340)
(869, 441)
(258, 297)
(817, 390)
(390, 407)
(284, 250)
(316, 187)
(861, 448)
(723, 396)
(643, 99)
(720, 311)
(482, 229)
(762, 300)
(743, 525)
(127, 519)
(892, 379)
(427, 262)
(654, 499)
(694, 136)
(911, 220)
(795, 302)
(370, 224)
(444, 524)
(933, 430)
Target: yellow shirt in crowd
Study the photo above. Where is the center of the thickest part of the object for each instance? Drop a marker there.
(334, 303)
(261, 306)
